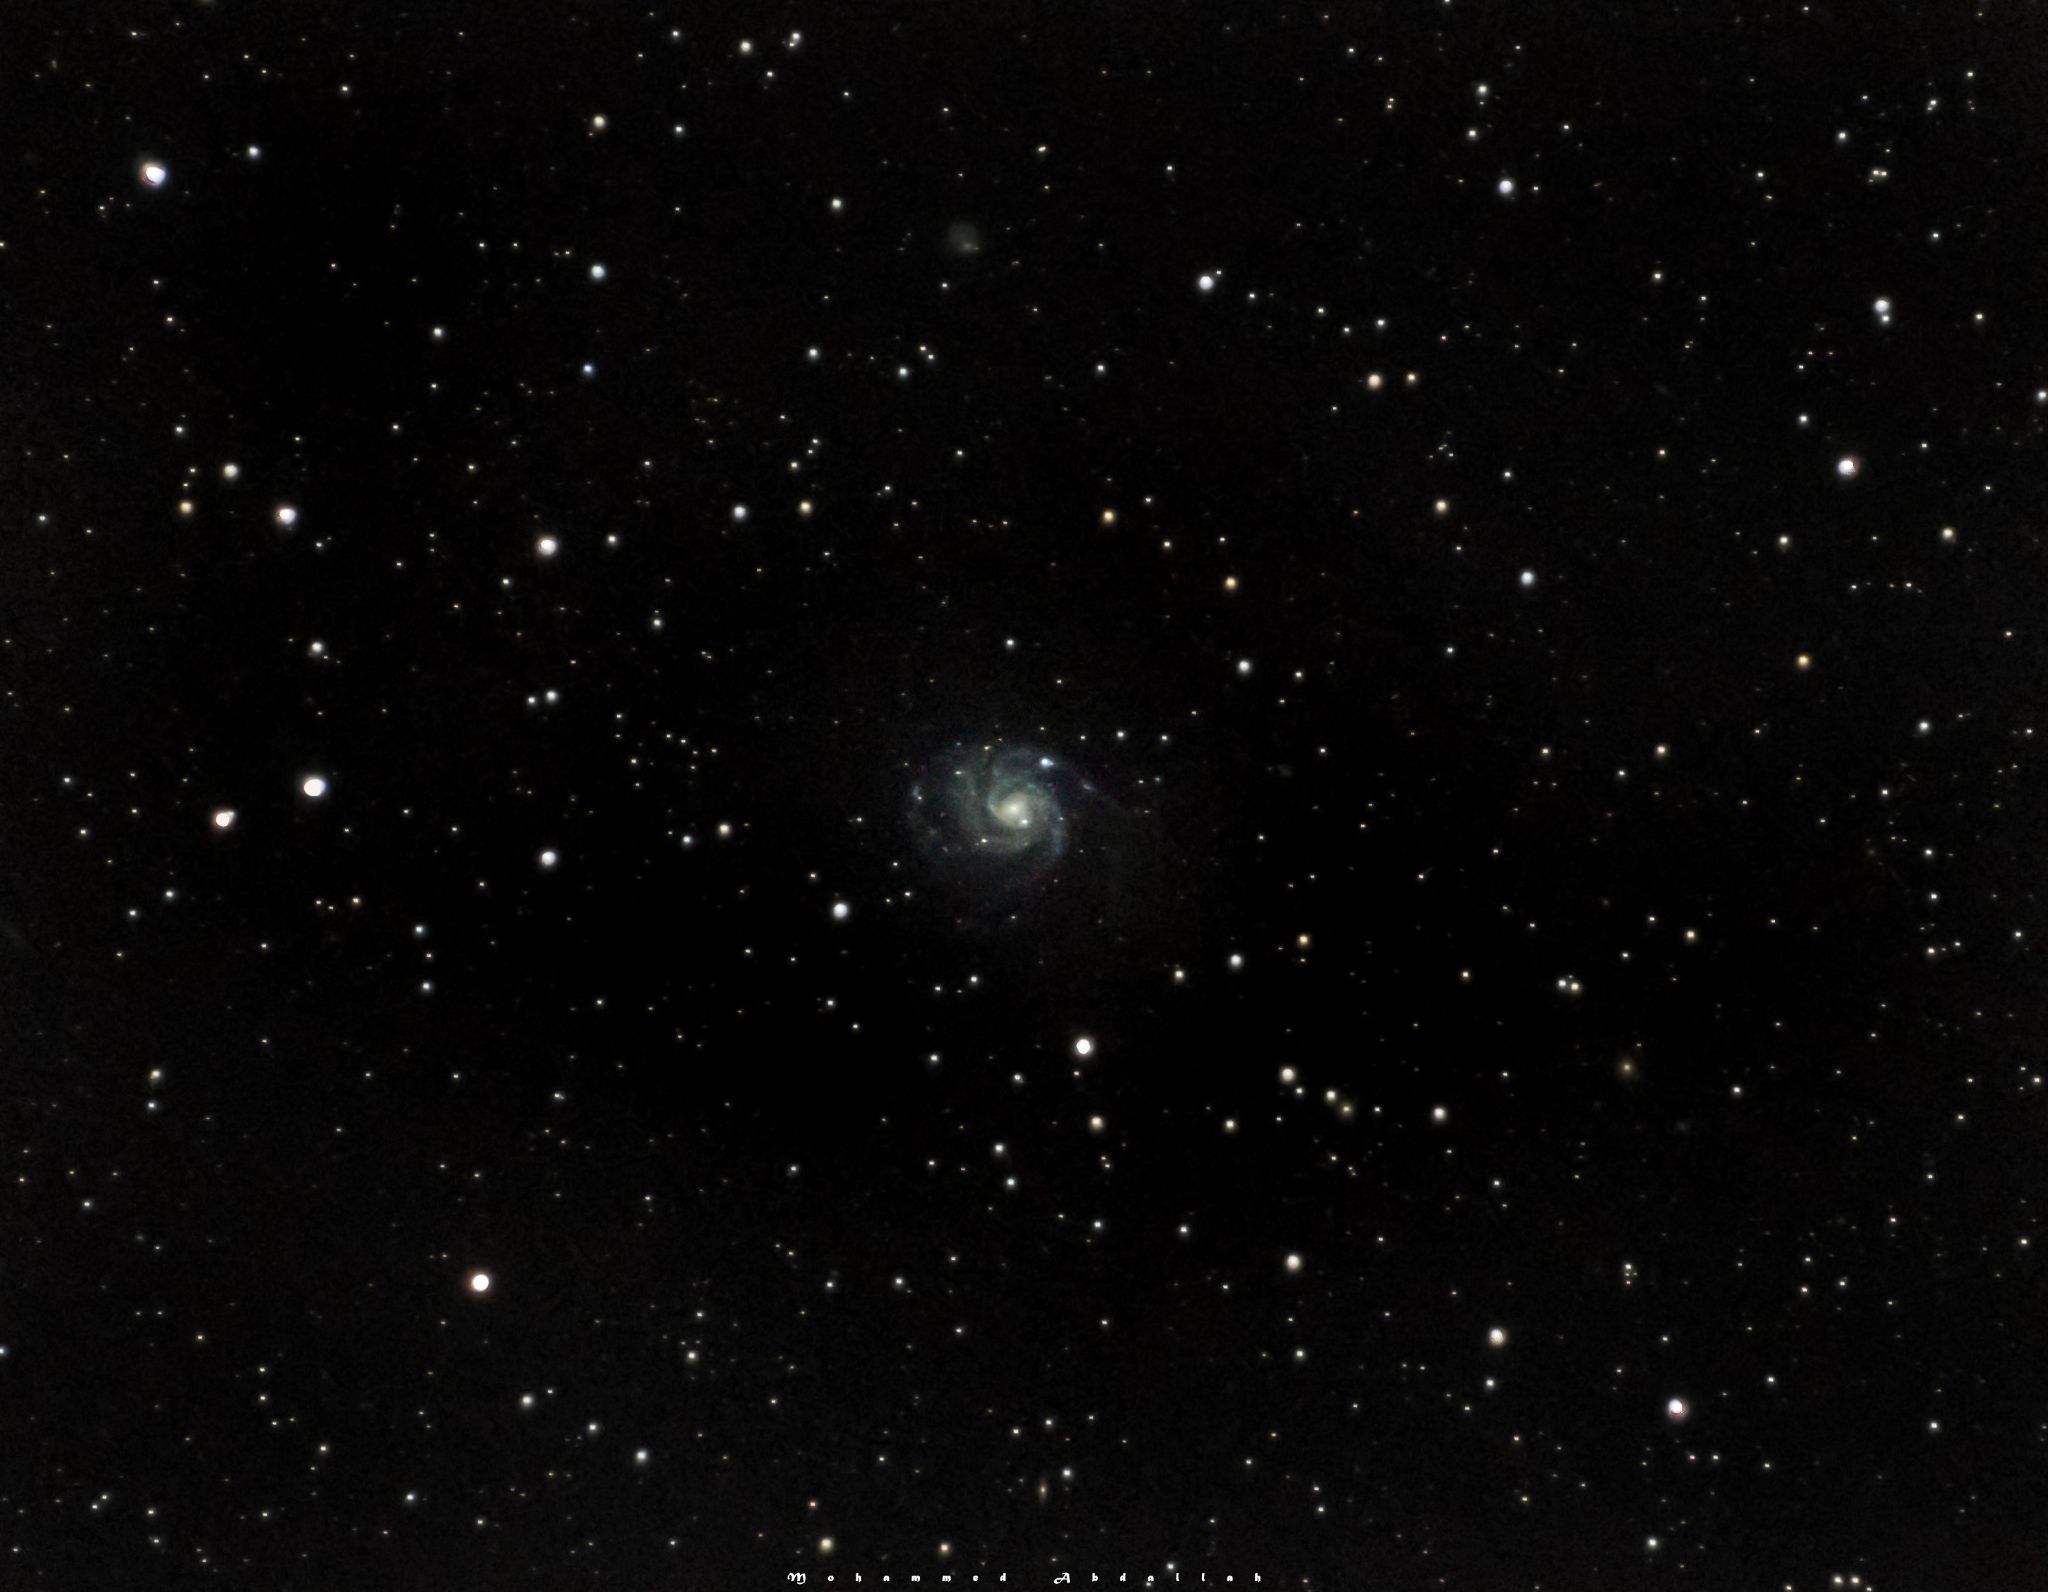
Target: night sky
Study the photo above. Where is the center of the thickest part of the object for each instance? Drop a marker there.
(1023, 790)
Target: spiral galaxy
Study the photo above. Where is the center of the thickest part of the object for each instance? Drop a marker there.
(996, 815)
(1023, 852)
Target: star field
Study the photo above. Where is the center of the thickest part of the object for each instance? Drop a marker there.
(1022, 793)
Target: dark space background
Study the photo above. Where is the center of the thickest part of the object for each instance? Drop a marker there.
(1550, 848)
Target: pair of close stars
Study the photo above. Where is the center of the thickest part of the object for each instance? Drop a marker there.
(313, 787)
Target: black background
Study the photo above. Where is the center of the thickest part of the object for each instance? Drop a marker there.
(1736, 1042)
